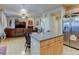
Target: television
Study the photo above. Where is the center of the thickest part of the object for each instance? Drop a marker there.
(20, 24)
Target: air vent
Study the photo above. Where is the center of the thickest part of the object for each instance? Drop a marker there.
(66, 16)
(75, 13)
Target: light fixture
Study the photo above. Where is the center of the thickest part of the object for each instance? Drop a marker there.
(23, 17)
(23, 12)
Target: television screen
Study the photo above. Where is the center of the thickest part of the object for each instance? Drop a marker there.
(20, 24)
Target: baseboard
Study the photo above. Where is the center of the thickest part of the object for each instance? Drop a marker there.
(71, 47)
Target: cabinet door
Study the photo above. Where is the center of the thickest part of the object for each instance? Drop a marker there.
(58, 48)
(61, 44)
(44, 50)
(43, 47)
(51, 49)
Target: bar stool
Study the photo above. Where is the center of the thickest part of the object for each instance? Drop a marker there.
(28, 41)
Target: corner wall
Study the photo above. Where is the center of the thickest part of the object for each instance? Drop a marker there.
(48, 17)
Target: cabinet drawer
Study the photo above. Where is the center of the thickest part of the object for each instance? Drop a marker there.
(43, 43)
(61, 38)
(51, 41)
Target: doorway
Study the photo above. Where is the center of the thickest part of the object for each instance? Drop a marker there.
(56, 22)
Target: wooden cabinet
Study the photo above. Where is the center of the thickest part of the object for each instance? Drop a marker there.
(50, 49)
(52, 46)
(44, 50)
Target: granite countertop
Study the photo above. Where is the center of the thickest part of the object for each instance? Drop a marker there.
(44, 36)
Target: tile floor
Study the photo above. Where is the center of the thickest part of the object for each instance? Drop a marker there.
(70, 51)
(15, 46)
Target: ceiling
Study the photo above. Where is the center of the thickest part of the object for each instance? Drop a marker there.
(33, 9)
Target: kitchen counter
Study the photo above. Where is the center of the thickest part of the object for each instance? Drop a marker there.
(37, 38)
(44, 36)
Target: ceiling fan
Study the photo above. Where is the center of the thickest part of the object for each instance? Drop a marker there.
(23, 12)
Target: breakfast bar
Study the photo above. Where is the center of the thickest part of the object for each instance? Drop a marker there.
(46, 44)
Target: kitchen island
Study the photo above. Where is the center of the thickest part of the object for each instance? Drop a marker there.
(46, 44)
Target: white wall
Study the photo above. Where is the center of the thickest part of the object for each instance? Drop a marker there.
(45, 23)
(3, 19)
(37, 20)
(48, 23)
(3, 22)
(12, 25)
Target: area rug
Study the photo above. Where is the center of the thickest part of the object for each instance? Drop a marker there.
(3, 50)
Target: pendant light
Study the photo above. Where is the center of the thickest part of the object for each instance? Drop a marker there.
(23, 12)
